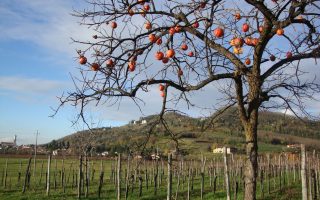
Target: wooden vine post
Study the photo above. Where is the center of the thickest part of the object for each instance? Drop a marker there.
(119, 177)
(100, 179)
(127, 177)
(27, 176)
(169, 186)
(5, 174)
(80, 177)
(203, 163)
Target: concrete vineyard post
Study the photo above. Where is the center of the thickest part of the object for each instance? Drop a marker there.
(226, 173)
(303, 173)
(48, 175)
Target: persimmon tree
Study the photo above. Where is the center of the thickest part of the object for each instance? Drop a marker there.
(256, 48)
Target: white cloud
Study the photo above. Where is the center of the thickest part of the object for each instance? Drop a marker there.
(46, 23)
(29, 85)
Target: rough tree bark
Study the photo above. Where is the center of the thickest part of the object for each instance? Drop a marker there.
(249, 119)
(251, 163)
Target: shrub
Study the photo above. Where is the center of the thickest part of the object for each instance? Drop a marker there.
(275, 141)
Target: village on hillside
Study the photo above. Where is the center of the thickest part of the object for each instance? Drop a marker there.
(62, 149)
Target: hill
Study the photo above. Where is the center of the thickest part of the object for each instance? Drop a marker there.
(194, 135)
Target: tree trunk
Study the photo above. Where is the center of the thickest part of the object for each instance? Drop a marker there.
(249, 119)
(251, 163)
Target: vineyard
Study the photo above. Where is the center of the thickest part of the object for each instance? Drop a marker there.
(280, 176)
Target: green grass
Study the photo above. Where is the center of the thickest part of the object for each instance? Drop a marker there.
(37, 190)
(266, 147)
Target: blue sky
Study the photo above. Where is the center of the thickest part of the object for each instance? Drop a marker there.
(36, 59)
(34, 69)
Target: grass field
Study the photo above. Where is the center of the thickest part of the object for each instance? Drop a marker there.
(12, 189)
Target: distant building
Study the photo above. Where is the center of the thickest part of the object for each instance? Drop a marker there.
(293, 146)
(55, 152)
(5, 142)
(41, 150)
(61, 152)
(141, 121)
(155, 156)
(105, 153)
(220, 150)
(25, 147)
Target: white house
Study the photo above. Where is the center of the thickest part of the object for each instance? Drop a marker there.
(55, 152)
(61, 152)
(105, 153)
(220, 150)
(143, 121)
(155, 156)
